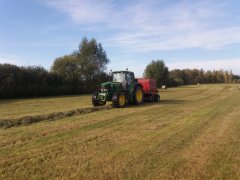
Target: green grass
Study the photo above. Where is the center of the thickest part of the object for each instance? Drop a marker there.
(193, 133)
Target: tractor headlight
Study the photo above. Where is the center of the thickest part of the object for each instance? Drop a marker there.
(104, 90)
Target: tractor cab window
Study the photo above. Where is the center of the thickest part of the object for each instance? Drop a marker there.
(119, 77)
(129, 78)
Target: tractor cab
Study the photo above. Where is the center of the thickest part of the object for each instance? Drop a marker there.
(126, 78)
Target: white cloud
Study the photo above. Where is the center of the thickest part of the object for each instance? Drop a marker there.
(19, 60)
(212, 39)
(84, 11)
(10, 60)
(145, 26)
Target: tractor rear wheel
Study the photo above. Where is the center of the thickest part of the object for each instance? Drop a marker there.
(138, 95)
(95, 101)
(119, 99)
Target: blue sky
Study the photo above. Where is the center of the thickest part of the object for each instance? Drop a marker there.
(184, 33)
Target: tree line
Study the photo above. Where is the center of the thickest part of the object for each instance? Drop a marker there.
(195, 76)
(76, 73)
(159, 71)
(84, 69)
(28, 82)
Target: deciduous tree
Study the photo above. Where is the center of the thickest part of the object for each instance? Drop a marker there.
(158, 71)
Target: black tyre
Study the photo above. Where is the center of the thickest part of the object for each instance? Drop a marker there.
(95, 101)
(138, 95)
(152, 98)
(157, 98)
(119, 99)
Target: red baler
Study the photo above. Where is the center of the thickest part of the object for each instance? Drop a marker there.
(150, 89)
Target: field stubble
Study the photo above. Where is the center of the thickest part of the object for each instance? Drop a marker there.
(193, 133)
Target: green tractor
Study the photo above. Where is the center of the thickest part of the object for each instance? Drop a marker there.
(123, 89)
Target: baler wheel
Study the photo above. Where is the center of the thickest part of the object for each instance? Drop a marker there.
(157, 98)
(152, 98)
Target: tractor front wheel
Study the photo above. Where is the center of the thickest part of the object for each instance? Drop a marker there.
(119, 99)
(95, 101)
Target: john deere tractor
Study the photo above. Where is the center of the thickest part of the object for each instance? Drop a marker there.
(123, 89)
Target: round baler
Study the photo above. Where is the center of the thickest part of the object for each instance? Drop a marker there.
(149, 89)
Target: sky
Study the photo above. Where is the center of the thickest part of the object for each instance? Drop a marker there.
(184, 33)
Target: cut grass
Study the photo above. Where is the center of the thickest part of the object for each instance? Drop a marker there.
(17, 108)
(193, 133)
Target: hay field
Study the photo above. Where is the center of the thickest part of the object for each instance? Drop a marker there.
(17, 108)
(193, 133)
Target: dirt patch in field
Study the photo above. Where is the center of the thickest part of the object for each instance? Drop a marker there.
(7, 123)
